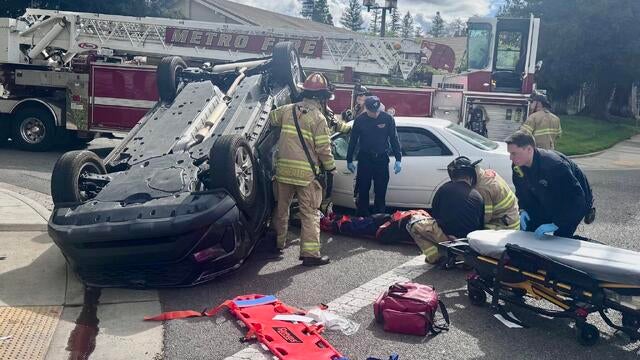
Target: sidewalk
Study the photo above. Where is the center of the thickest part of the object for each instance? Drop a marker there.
(622, 156)
(43, 312)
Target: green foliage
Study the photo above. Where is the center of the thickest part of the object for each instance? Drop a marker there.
(352, 16)
(583, 135)
(393, 26)
(599, 45)
(321, 13)
(374, 25)
(15, 8)
(407, 25)
(456, 28)
(437, 26)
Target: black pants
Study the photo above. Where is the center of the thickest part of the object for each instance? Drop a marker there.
(376, 169)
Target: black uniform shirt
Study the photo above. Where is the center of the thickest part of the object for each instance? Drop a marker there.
(458, 209)
(374, 135)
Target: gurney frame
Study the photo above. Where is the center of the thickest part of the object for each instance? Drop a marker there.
(520, 273)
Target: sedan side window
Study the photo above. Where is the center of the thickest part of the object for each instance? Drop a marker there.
(421, 142)
(340, 146)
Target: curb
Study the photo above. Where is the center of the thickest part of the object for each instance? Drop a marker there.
(43, 212)
(587, 155)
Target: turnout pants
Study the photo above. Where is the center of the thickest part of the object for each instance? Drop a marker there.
(309, 199)
(374, 169)
(427, 234)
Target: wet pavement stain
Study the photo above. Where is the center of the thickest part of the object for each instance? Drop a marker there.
(82, 340)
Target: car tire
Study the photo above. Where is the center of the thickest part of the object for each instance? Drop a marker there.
(166, 74)
(287, 69)
(65, 178)
(233, 168)
(33, 129)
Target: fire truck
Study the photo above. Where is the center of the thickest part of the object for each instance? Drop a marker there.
(70, 76)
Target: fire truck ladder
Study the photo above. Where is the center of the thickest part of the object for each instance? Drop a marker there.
(47, 33)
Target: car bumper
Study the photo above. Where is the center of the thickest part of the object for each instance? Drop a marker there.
(175, 241)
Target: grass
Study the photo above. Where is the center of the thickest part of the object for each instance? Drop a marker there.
(583, 135)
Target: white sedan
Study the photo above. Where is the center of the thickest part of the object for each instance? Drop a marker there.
(428, 146)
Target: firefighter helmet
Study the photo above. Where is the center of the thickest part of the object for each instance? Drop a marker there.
(463, 167)
(317, 85)
(362, 91)
(542, 99)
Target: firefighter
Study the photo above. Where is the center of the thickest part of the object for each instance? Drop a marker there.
(541, 123)
(294, 172)
(500, 203)
(553, 193)
(478, 119)
(374, 130)
(361, 93)
(456, 210)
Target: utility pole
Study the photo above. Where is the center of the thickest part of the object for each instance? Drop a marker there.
(388, 5)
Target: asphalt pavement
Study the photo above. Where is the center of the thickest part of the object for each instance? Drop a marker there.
(359, 270)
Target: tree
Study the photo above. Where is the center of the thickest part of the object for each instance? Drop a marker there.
(321, 12)
(16, 8)
(374, 25)
(457, 28)
(307, 8)
(437, 26)
(407, 25)
(418, 32)
(393, 27)
(604, 58)
(352, 16)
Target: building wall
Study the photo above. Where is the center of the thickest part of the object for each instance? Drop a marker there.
(193, 10)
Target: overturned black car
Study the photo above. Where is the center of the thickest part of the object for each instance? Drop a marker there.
(187, 195)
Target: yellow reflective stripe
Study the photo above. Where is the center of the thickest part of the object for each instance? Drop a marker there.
(292, 181)
(310, 246)
(295, 133)
(527, 128)
(304, 167)
(322, 140)
(305, 133)
(547, 131)
(507, 202)
(488, 209)
(328, 165)
(515, 225)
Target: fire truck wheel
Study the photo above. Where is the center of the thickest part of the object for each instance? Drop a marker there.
(67, 182)
(166, 73)
(34, 129)
(233, 168)
(287, 69)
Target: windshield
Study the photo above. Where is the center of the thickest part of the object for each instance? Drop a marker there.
(479, 42)
(472, 138)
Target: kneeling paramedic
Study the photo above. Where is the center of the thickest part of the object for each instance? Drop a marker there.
(303, 150)
(374, 130)
(553, 193)
(457, 209)
(500, 203)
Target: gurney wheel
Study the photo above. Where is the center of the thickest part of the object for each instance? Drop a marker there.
(477, 296)
(587, 334)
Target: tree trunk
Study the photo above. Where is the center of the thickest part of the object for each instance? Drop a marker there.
(599, 100)
(621, 101)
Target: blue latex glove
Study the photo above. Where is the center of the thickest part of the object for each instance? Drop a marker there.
(397, 167)
(524, 217)
(546, 228)
(351, 167)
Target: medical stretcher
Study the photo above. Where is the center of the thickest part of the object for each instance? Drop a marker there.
(576, 277)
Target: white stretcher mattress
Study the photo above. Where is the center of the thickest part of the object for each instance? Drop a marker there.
(605, 263)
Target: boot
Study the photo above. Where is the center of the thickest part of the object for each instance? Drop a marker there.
(315, 261)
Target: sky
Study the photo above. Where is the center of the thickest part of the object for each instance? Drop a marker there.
(422, 10)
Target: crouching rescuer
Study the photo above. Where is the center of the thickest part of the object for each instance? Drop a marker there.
(457, 209)
(500, 203)
(303, 155)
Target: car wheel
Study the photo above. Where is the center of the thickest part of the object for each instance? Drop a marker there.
(67, 183)
(34, 129)
(233, 167)
(166, 74)
(287, 68)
